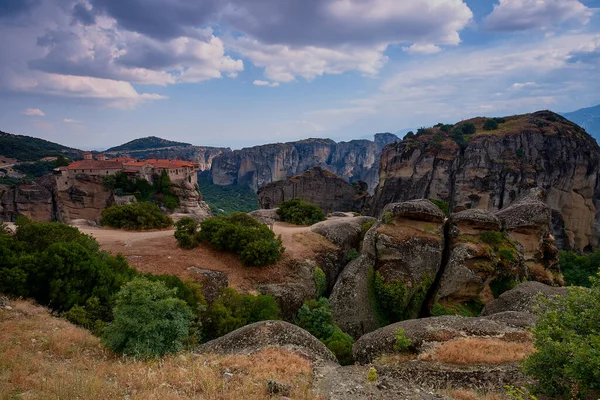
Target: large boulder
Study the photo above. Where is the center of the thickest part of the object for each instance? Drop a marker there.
(482, 262)
(523, 298)
(260, 335)
(343, 232)
(427, 331)
(212, 282)
(349, 300)
(267, 217)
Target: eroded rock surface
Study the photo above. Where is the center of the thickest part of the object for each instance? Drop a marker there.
(523, 298)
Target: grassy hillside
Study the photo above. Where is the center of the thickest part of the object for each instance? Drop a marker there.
(44, 357)
(27, 148)
(224, 200)
(150, 142)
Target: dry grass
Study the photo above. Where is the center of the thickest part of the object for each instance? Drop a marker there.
(395, 358)
(43, 357)
(480, 351)
(471, 395)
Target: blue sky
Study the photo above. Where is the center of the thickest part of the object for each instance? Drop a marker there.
(97, 73)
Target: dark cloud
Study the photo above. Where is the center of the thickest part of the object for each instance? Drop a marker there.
(83, 15)
(12, 8)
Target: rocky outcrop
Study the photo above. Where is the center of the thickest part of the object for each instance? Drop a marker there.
(345, 232)
(357, 160)
(317, 186)
(260, 335)
(523, 298)
(491, 169)
(427, 331)
(212, 282)
(27, 198)
(190, 202)
(267, 217)
(83, 197)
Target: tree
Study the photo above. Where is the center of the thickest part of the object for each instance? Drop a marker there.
(300, 212)
(567, 339)
(149, 320)
(490, 125)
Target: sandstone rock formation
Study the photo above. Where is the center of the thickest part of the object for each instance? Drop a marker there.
(317, 186)
(357, 160)
(28, 198)
(345, 232)
(523, 298)
(254, 337)
(492, 168)
(212, 282)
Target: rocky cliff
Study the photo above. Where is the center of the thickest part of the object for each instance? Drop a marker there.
(204, 156)
(357, 160)
(490, 169)
(317, 186)
(28, 198)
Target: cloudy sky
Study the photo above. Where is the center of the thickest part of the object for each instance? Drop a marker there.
(96, 73)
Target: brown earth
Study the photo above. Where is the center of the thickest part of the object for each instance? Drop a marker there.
(157, 252)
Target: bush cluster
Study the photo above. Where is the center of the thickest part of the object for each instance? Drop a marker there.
(442, 205)
(567, 361)
(320, 282)
(490, 125)
(317, 318)
(135, 216)
(577, 269)
(159, 192)
(239, 233)
(300, 212)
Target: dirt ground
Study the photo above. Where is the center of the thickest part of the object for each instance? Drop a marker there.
(157, 252)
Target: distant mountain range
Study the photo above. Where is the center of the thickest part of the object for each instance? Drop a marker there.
(150, 142)
(588, 119)
(27, 148)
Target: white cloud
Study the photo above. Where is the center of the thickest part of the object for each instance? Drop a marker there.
(33, 112)
(422, 49)
(71, 121)
(265, 83)
(524, 85)
(520, 15)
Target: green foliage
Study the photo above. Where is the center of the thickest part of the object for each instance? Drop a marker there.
(446, 128)
(149, 320)
(320, 281)
(490, 125)
(520, 153)
(387, 218)
(492, 237)
(423, 131)
(459, 138)
(507, 253)
(468, 128)
(402, 343)
(242, 234)
(26, 148)
(35, 169)
(317, 318)
(6, 180)
(514, 393)
(135, 216)
(499, 120)
(300, 212)
(372, 375)
(150, 142)
(185, 233)
(233, 310)
(567, 340)
(469, 309)
(365, 228)
(442, 205)
(577, 269)
(395, 301)
(224, 200)
(352, 255)
(409, 135)
(503, 284)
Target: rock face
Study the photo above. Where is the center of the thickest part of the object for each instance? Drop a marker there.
(493, 168)
(190, 202)
(254, 337)
(317, 186)
(357, 160)
(28, 198)
(344, 232)
(523, 298)
(83, 197)
(212, 282)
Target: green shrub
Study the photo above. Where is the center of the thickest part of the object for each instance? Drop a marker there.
(185, 233)
(135, 216)
(468, 128)
(320, 282)
(223, 200)
(409, 135)
(233, 310)
(300, 212)
(567, 361)
(387, 218)
(402, 343)
(469, 309)
(149, 320)
(490, 125)
(503, 284)
(365, 228)
(442, 205)
(520, 153)
(317, 318)
(243, 235)
(577, 269)
(507, 253)
(492, 238)
(352, 255)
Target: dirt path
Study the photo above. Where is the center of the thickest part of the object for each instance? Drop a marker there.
(157, 252)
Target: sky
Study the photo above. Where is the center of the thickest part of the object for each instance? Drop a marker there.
(93, 74)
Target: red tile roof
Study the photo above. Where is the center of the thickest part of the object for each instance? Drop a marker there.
(95, 164)
(123, 163)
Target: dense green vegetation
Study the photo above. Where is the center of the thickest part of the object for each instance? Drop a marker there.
(62, 268)
(26, 148)
(316, 317)
(159, 192)
(150, 142)
(490, 125)
(298, 212)
(233, 310)
(40, 168)
(148, 320)
(320, 282)
(224, 200)
(239, 233)
(136, 216)
(577, 269)
(442, 205)
(567, 339)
